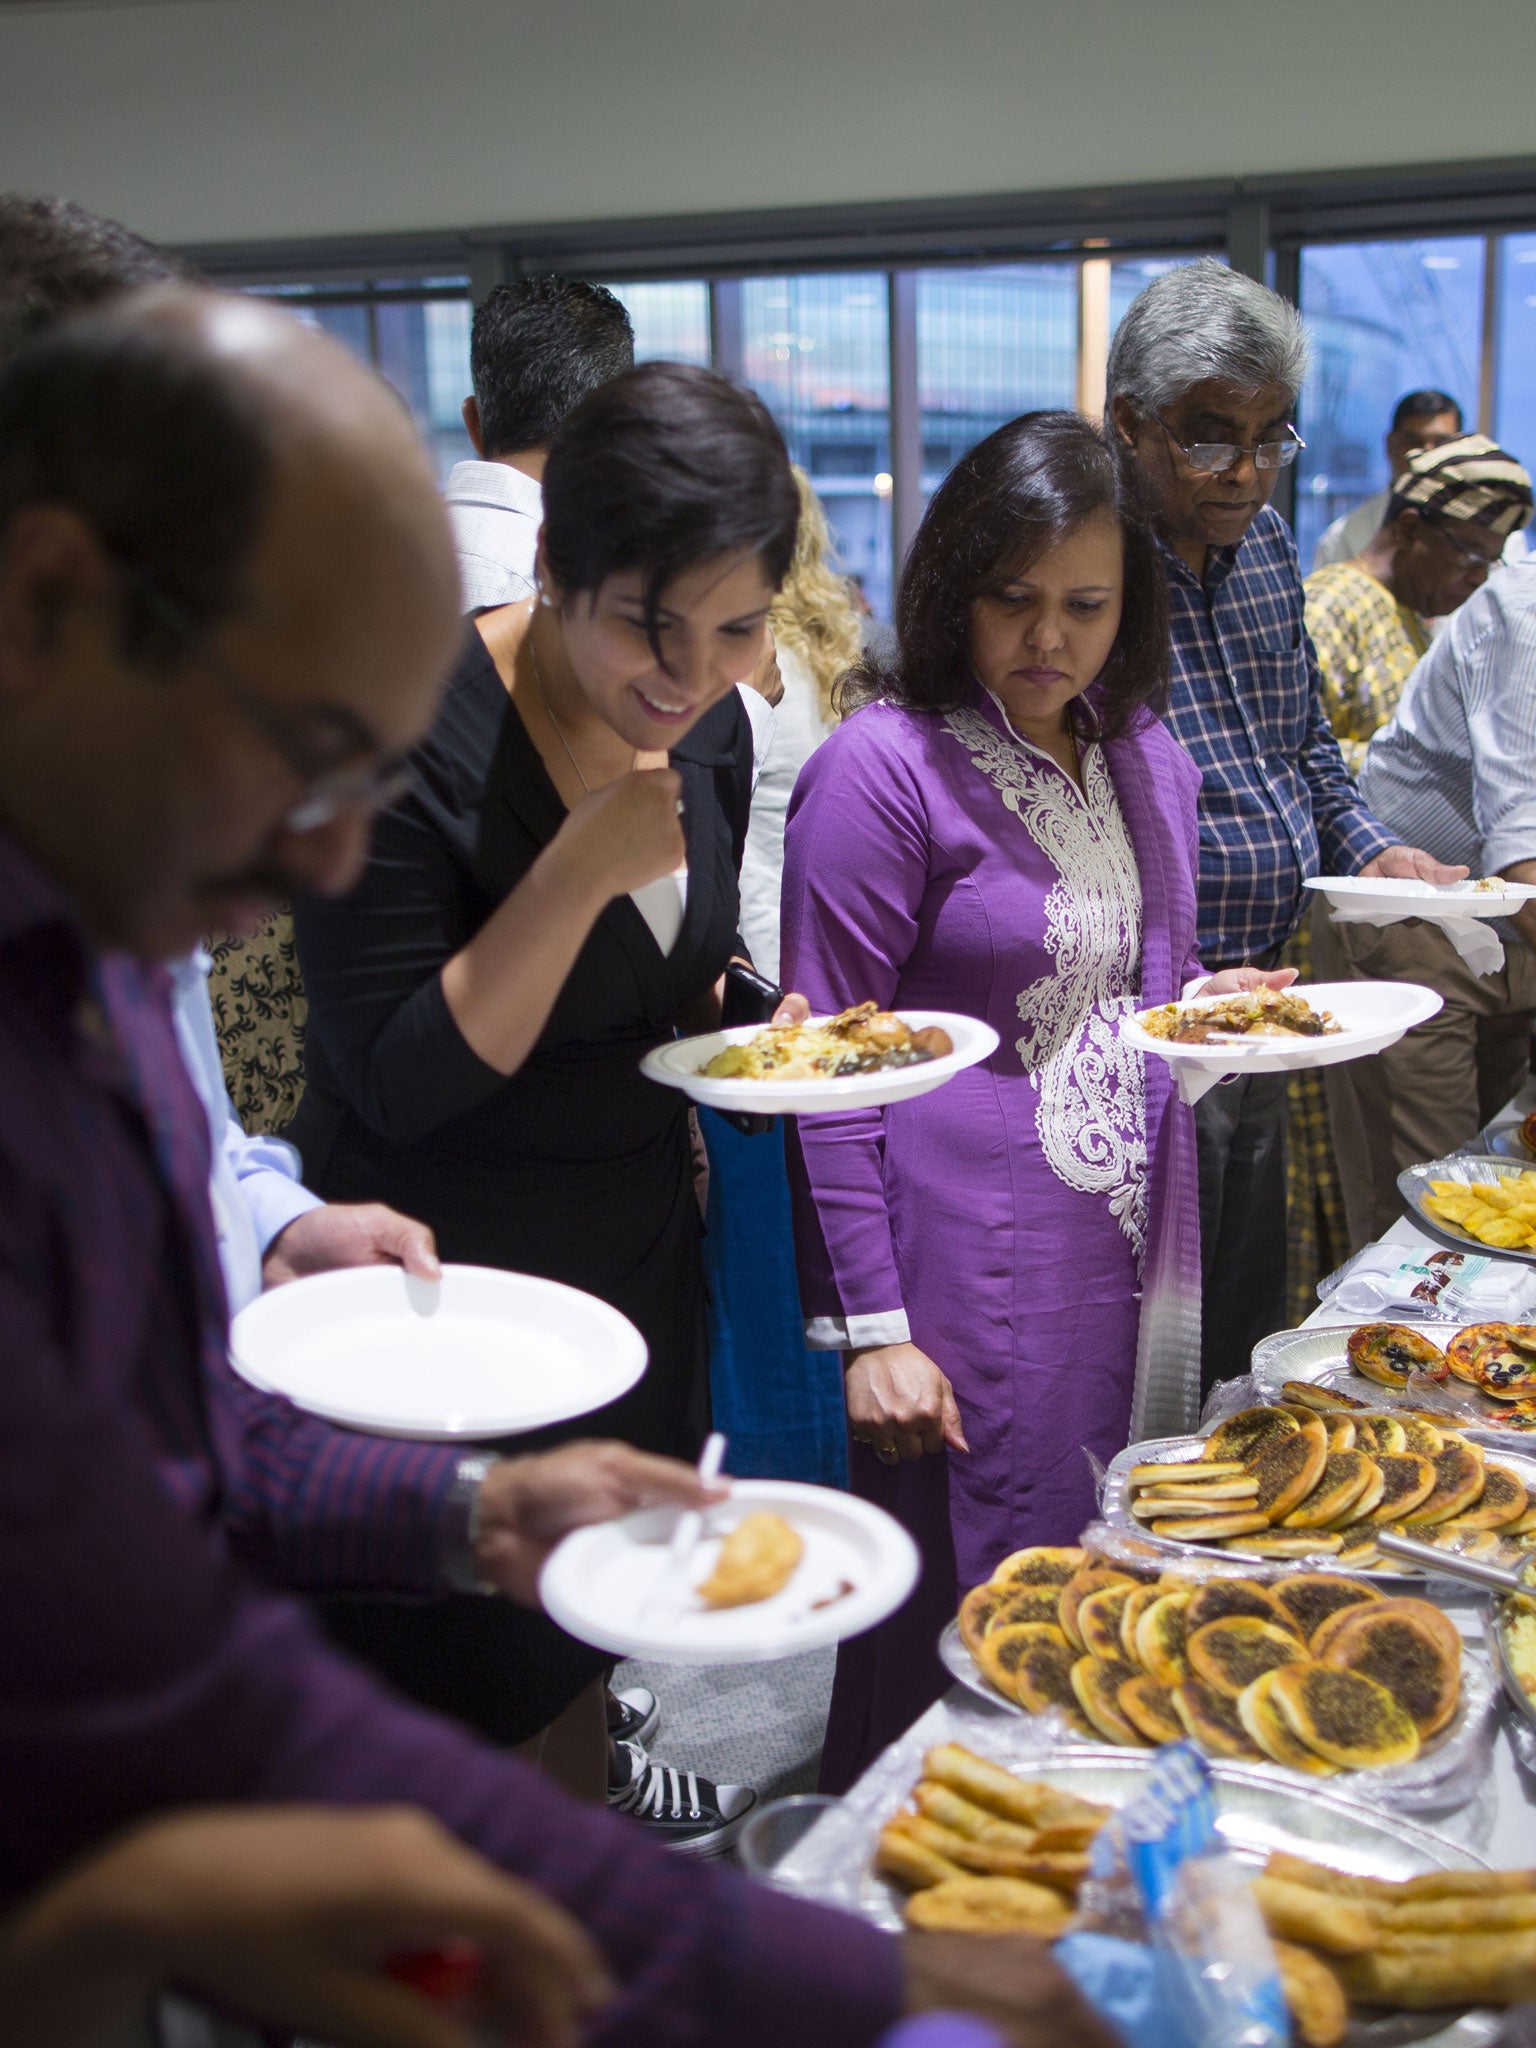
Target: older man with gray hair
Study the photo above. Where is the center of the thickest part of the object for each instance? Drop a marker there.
(1203, 379)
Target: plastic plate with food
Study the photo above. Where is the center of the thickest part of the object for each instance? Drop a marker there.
(1475, 1377)
(1397, 897)
(860, 1060)
(1470, 1198)
(1270, 1031)
(779, 1568)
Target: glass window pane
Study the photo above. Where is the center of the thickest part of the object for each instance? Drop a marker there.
(992, 342)
(1386, 318)
(816, 349)
(671, 320)
(1515, 418)
(1129, 275)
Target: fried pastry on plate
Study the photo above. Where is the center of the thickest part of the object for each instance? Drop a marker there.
(1350, 1720)
(756, 1560)
(989, 1905)
(1313, 1995)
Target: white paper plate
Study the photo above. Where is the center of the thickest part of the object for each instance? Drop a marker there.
(480, 1353)
(677, 1064)
(1505, 1142)
(1472, 1169)
(598, 1583)
(1371, 1014)
(1398, 898)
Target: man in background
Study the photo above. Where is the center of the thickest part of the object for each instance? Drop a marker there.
(1420, 419)
(536, 348)
(1203, 378)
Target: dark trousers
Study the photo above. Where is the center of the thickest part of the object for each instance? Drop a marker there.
(1240, 1133)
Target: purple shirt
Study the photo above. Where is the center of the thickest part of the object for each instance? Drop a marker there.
(143, 1664)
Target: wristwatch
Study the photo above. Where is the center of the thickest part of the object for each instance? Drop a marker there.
(459, 1565)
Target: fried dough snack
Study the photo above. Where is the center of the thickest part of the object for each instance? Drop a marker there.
(989, 1905)
(1313, 1994)
(756, 1560)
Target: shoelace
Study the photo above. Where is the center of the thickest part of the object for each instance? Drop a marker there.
(648, 1794)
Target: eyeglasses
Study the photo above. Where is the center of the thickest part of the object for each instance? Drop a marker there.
(317, 744)
(1469, 554)
(1210, 458)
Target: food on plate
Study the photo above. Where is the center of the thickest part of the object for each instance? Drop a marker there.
(976, 1610)
(1268, 1728)
(1223, 1599)
(1380, 1433)
(1517, 1619)
(1161, 1633)
(1002, 1650)
(1097, 1682)
(996, 1905)
(1407, 1481)
(1088, 1580)
(950, 1809)
(1302, 1543)
(1239, 1437)
(1350, 1720)
(1149, 1708)
(1404, 1646)
(1458, 1483)
(1500, 1212)
(1390, 1354)
(1212, 1529)
(1344, 1478)
(756, 1560)
(1502, 1502)
(908, 1862)
(1314, 1996)
(1182, 1473)
(1043, 1678)
(863, 1040)
(1326, 1400)
(1212, 1722)
(1254, 1013)
(1043, 1565)
(1433, 1971)
(1310, 1598)
(1098, 1619)
(1031, 1804)
(1230, 1654)
(1528, 1132)
(1026, 1603)
(1298, 1913)
(1289, 1468)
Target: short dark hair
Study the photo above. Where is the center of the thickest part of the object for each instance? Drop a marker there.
(57, 259)
(664, 467)
(1423, 405)
(1017, 494)
(536, 348)
(159, 448)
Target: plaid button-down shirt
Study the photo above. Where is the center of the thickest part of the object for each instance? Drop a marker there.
(1276, 801)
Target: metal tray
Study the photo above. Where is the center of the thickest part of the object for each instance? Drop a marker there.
(1474, 1169)
(1318, 1355)
(1257, 1815)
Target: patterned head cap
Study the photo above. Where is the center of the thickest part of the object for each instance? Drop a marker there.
(1472, 479)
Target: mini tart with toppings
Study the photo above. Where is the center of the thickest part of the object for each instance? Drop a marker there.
(1391, 1354)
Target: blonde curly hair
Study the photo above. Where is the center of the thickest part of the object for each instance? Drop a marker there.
(814, 614)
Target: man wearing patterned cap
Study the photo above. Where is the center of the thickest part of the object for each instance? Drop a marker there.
(1449, 513)
(1455, 770)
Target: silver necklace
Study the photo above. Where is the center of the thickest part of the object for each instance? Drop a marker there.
(547, 708)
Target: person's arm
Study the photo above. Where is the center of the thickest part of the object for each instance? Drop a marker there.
(1496, 677)
(287, 1917)
(856, 853)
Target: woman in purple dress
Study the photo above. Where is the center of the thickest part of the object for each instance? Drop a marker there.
(1009, 1265)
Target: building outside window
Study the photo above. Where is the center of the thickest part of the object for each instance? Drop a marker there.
(671, 320)
(1514, 409)
(816, 349)
(1386, 318)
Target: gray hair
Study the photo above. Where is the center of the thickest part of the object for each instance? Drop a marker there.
(1202, 320)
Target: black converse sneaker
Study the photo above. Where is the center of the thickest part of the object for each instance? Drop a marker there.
(633, 1714)
(679, 1808)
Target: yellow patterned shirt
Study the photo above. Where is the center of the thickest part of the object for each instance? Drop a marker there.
(1367, 647)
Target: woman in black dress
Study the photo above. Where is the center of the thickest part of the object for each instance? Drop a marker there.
(480, 1004)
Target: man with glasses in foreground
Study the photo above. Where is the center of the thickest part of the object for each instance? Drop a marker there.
(246, 471)
(1456, 767)
(1203, 379)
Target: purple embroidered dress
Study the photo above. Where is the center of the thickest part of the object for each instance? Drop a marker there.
(1032, 1224)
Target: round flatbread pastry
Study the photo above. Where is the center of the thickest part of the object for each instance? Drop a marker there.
(1269, 1729)
(1458, 1482)
(1207, 1528)
(1288, 1469)
(1502, 1501)
(989, 1905)
(1380, 1433)
(1421, 1435)
(1342, 1481)
(1239, 1436)
(1098, 1620)
(1087, 1579)
(1040, 1565)
(1277, 1543)
(1003, 1650)
(1229, 1655)
(1190, 1504)
(1310, 1598)
(1397, 1645)
(1368, 1501)
(976, 1610)
(1352, 1721)
(1097, 1682)
(1361, 1557)
(1026, 1603)
(1160, 1633)
(1506, 1374)
(1390, 1354)
(1142, 1597)
(1220, 1599)
(1407, 1481)
(1148, 1707)
(1184, 1472)
(1211, 1721)
(1324, 1400)
(1341, 1433)
(1042, 1679)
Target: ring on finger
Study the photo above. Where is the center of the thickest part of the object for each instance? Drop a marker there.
(887, 1454)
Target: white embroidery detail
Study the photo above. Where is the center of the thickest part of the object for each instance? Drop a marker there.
(1091, 1114)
